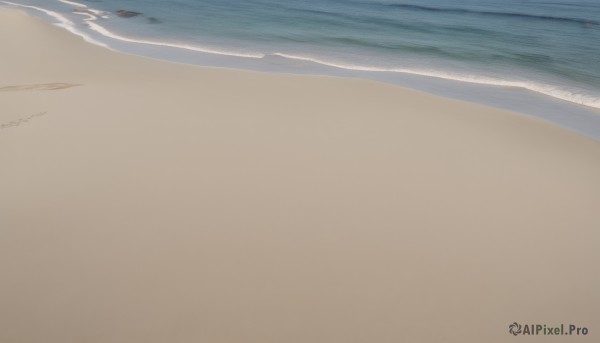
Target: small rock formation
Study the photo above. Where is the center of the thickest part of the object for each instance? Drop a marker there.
(153, 20)
(127, 14)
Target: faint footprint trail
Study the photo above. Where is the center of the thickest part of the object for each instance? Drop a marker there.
(39, 87)
(33, 87)
(20, 121)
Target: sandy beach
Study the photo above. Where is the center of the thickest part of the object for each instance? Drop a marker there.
(147, 201)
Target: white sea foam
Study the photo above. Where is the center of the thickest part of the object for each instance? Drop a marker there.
(103, 31)
(76, 4)
(99, 13)
(62, 22)
(90, 17)
(86, 8)
(565, 94)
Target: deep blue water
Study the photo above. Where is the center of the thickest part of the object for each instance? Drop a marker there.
(540, 57)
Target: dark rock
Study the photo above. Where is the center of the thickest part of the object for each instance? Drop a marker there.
(153, 20)
(127, 14)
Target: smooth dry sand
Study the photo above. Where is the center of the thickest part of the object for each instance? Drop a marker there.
(144, 201)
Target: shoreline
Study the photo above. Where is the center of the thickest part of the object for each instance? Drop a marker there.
(578, 118)
(149, 201)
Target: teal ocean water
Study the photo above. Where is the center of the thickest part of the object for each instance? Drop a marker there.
(539, 57)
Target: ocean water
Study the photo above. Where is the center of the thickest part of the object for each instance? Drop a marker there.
(538, 57)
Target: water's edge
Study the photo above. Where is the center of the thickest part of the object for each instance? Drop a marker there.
(578, 118)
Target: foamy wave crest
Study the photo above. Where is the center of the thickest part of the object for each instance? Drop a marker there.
(574, 96)
(76, 4)
(90, 17)
(62, 22)
(99, 13)
(103, 31)
(83, 7)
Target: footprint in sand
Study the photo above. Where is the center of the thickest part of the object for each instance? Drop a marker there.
(34, 87)
(39, 87)
(20, 121)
